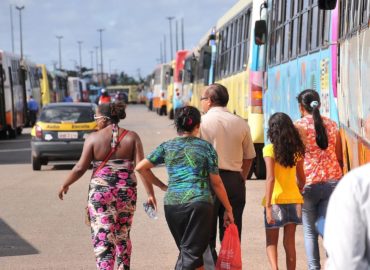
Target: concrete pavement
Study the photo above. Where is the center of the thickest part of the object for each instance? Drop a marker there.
(38, 231)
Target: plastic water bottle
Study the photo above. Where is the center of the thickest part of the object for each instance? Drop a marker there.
(149, 209)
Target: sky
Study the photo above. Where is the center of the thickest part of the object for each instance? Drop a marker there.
(133, 30)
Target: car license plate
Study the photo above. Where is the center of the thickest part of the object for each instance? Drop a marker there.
(67, 135)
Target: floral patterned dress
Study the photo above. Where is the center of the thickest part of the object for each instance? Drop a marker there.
(111, 204)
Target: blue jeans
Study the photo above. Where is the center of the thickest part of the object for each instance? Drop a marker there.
(316, 198)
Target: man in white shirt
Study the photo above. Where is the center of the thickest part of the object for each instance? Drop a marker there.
(347, 227)
(230, 136)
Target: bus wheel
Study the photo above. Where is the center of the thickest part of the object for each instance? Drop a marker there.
(3, 134)
(36, 163)
(171, 114)
(19, 130)
(251, 171)
(260, 169)
(12, 133)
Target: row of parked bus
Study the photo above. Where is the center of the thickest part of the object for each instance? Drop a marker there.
(21, 79)
(266, 52)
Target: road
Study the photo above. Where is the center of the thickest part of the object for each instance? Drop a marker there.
(38, 231)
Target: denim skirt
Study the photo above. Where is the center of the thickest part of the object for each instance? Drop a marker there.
(284, 214)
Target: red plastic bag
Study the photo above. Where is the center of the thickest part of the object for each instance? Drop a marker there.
(230, 257)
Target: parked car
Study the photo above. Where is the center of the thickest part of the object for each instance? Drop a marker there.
(60, 132)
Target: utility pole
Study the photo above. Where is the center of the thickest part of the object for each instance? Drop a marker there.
(101, 54)
(20, 27)
(79, 52)
(60, 51)
(182, 34)
(11, 26)
(161, 51)
(92, 59)
(97, 61)
(170, 18)
(164, 49)
(177, 37)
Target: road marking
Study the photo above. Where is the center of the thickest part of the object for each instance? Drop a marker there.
(15, 150)
(15, 141)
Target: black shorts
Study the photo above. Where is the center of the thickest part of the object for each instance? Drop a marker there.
(190, 226)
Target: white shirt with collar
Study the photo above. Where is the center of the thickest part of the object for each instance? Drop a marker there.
(230, 136)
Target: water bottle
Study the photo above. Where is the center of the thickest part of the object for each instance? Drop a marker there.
(150, 211)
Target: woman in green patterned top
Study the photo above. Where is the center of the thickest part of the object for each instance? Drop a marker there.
(192, 168)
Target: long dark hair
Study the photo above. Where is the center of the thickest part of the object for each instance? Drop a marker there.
(310, 100)
(284, 136)
(114, 111)
(186, 119)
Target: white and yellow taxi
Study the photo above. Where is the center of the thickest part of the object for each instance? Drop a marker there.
(60, 132)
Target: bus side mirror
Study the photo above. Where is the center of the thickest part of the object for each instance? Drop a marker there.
(327, 4)
(260, 32)
(206, 57)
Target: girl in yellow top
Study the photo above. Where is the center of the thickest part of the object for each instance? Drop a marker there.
(283, 200)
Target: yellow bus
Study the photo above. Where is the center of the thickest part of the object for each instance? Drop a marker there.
(131, 92)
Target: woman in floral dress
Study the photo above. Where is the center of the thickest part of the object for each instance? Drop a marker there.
(112, 191)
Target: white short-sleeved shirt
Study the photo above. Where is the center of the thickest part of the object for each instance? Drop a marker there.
(347, 226)
(230, 136)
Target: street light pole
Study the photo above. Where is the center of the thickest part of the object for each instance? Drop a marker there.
(60, 51)
(92, 59)
(177, 37)
(101, 54)
(97, 62)
(79, 51)
(110, 63)
(170, 18)
(20, 27)
(11, 27)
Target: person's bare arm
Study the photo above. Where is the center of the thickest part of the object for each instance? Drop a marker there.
(80, 168)
(270, 182)
(301, 177)
(246, 166)
(144, 169)
(338, 149)
(221, 194)
(147, 175)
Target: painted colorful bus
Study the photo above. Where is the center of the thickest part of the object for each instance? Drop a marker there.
(160, 84)
(354, 79)
(12, 96)
(177, 82)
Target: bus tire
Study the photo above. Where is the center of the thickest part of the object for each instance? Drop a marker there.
(171, 114)
(251, 170)
(259, 162)
(260, 168)
(12, 133)
(36, 163)
(3, 134)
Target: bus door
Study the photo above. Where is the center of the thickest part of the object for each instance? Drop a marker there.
(13, 121)
(2, 103)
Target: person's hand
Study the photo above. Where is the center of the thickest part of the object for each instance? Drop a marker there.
(269, 218)
(63, 190)
(152, 201)
(228, 218)
(164, 187)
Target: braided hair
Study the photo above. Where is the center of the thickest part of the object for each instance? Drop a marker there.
(186, 119)
(113, 111)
